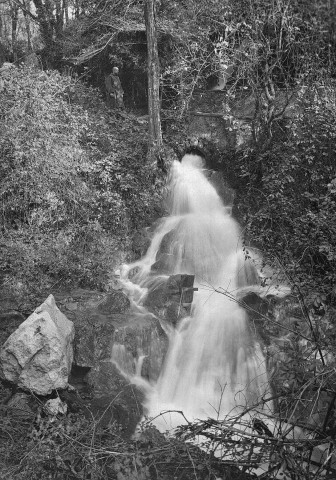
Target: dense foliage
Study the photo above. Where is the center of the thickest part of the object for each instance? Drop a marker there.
(71, 188)
(287, 192)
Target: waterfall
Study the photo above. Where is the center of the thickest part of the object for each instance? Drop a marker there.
(214, 363)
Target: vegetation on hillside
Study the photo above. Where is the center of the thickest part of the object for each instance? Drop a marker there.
(72, 192)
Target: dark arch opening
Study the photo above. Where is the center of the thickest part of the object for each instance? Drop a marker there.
(194, 150)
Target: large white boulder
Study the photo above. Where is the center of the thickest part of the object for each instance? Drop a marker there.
(38, 355)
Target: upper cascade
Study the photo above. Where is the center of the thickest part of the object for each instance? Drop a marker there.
(190, 191)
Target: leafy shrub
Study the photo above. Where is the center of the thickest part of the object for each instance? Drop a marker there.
(41, 156)
(286, 198)
(288, 201)
(75, 182)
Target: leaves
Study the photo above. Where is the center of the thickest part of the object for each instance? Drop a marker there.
(75, 182)
(289, 207)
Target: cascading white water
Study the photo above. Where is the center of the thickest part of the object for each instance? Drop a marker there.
(213, 364)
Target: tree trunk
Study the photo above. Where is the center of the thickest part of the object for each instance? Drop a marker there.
(46, 21)
(27, 24)
(66, 11)
(59, 18)
(14, 18)
(77, 9)
(155, 135)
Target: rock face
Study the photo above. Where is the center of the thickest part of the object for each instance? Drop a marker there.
(125, 339)
(113, 340)
(115, 302)
(139, 347)
(171, 300)
(38, 355)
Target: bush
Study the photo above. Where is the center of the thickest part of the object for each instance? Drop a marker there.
(75, 183)
(42, 161)
(287, 193)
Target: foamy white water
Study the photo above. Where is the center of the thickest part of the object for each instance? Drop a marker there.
(213, 364)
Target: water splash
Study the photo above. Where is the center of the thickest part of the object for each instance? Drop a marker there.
(213, 364)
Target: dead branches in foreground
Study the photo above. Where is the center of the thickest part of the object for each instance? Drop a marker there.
(265, 446)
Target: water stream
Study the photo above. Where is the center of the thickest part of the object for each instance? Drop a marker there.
(214, 363)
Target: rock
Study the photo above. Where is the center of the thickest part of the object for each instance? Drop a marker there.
(22, 405)
(140, 243)
(72, 306)
(55, 406)
(171, 299)
(255, 305)
(125, 339)
(114, 302)
(142, 339)
(116, 399)
(99, 377)
(38, 355)
(168, 250)
(93, 341)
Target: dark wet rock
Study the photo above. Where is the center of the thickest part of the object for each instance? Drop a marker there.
(255, 305)
(157, 296)
(98, 328)
(141, 242)
(78, 380)
(102, 393)
(174, 312)
(113, 344)
(171, 299)
(107, 329)
(130, 336)
(10, 317)
(105, 322)
(93, 341)
(22, 406)
(168, 250)
(140, 340)
(108, 397)
(114, 302)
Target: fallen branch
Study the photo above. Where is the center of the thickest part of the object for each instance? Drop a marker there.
(216, 115)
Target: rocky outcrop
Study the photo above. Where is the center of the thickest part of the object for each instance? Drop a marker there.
(115, 397)
(139, 347)
(114, 302)
(112, 342)
(117, 348)
(226, 123)
(125, 339)
(22, 406)
(171, 299)
(106, 324)
(37, 357)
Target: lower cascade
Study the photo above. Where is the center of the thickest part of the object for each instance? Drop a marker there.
(214, 364)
